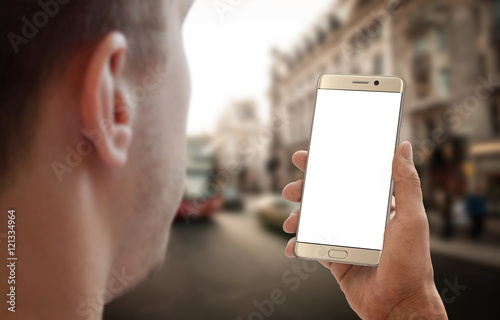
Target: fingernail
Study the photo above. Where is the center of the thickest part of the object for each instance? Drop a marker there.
(407, 151)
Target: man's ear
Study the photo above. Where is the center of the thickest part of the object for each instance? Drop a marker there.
(105, 112)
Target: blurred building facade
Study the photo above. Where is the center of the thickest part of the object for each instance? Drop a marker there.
(447, 51)
(238, 153)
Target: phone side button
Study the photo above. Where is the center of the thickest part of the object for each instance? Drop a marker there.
(337, 254)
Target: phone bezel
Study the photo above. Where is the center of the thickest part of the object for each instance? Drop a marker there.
(357, 256)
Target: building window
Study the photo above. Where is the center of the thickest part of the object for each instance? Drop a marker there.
(378, 64)
(321, 36)
(363, 2)
(429, 128)
(481, 64)
(440, 38)
(476, 16)
(496, 18)
(292, 110)
(309, 46)
(498, 59)
(420, 45)
(495, 119)
(333, 23)
(337, 60)
(444, 83)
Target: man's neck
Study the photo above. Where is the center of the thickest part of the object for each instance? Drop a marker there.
(63, 254)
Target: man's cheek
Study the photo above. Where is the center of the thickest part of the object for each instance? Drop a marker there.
(180, 183)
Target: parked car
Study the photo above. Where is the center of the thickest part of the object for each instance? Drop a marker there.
(232, 199)
(273, 210)
(197, 201)
(200, 199)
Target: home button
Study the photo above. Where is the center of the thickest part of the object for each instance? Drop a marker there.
(337, 254)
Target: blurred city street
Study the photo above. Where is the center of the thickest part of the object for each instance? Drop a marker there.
(230, 264)
(107, 107)
(222, 267)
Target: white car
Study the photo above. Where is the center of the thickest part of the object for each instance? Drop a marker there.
(273, 210)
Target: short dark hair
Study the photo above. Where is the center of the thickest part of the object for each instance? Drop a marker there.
(39, 36)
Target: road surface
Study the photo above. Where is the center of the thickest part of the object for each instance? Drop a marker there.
(231, 267)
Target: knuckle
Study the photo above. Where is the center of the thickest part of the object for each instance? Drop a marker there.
(406, 173)
(413, 178)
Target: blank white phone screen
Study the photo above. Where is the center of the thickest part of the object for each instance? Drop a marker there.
(348, 178)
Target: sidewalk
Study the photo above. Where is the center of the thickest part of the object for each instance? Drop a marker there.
(485, 250)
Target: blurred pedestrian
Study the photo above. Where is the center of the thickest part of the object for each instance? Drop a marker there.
(445, 206)
(460, 218)
(475, 204)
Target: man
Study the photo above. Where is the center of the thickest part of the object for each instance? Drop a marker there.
(92, 148)
(93, 112)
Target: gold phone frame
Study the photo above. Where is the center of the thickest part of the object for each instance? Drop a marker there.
(357, 256)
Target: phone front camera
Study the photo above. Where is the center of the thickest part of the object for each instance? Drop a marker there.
(376, 82)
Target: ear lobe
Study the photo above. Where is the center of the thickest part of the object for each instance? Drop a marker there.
(105, 112)
(114, 150)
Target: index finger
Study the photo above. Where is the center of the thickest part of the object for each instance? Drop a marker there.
(299, 159)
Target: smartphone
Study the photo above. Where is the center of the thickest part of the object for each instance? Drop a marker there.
(347, 190)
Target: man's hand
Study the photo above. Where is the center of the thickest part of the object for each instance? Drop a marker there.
(402, 286)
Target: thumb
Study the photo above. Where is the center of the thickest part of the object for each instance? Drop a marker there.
(407, 189)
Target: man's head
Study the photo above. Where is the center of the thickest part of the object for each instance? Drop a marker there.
(93, 102)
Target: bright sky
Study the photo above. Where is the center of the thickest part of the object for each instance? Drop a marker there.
(228, 50)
